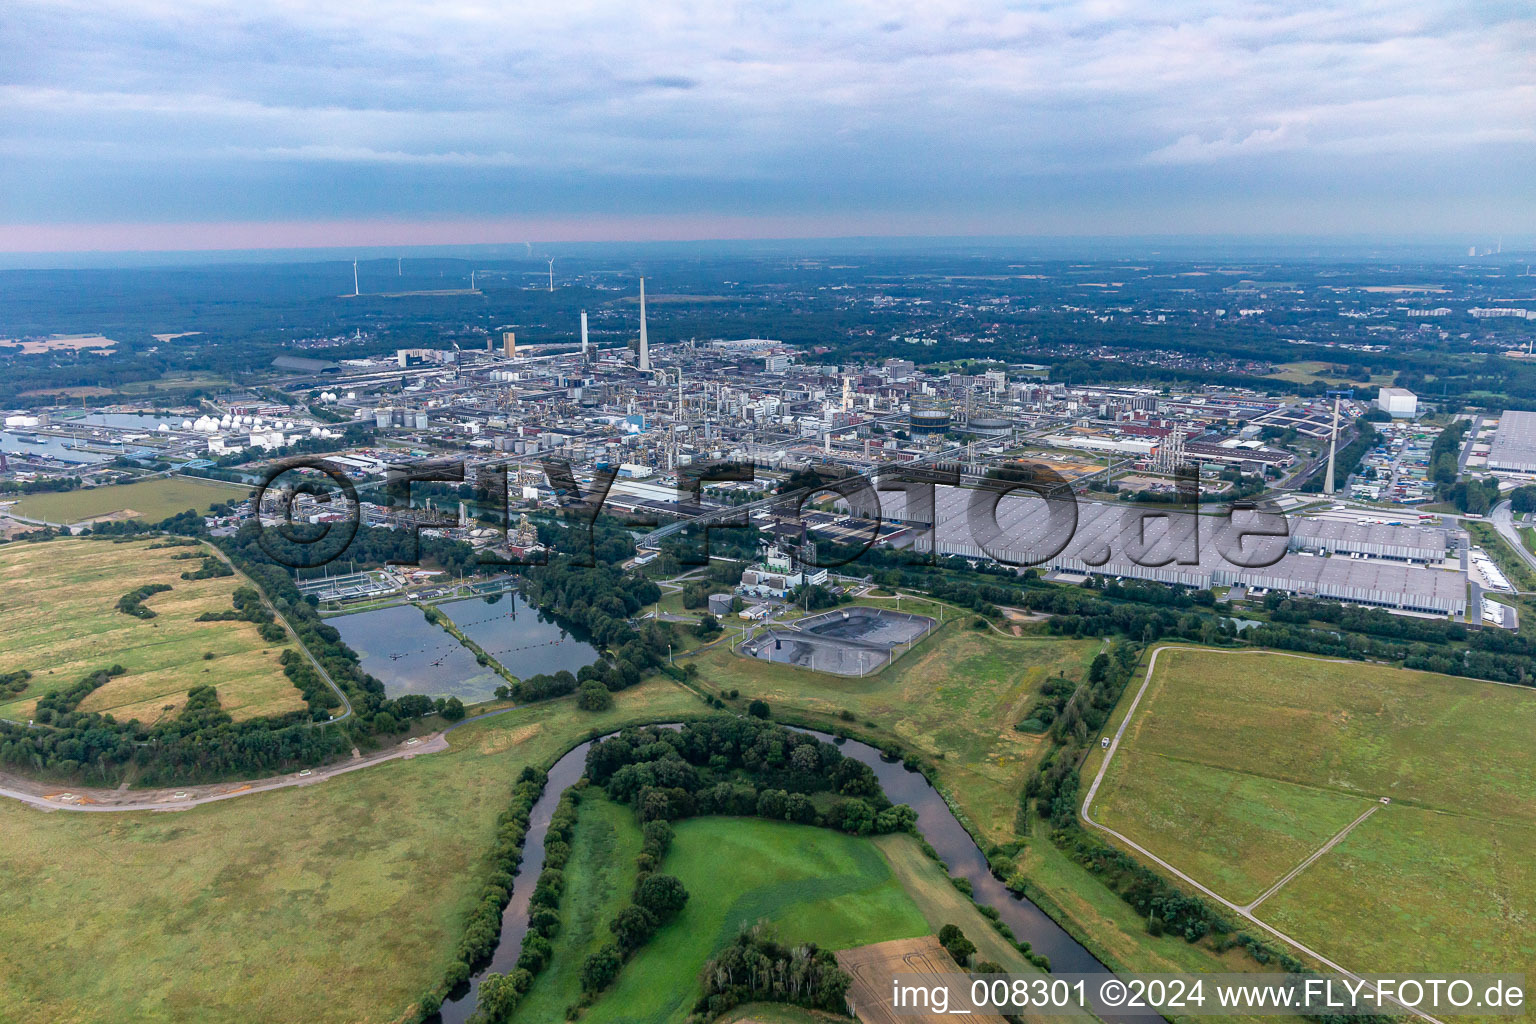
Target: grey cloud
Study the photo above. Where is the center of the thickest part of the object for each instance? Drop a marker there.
(799, 104)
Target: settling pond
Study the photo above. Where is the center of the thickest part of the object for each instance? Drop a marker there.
(524, 640)
(903, 786)
(408, 654)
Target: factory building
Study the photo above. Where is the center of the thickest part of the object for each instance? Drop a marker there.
(1396, 543)
(1399, 403)
(1514, 444)
(1100, 539)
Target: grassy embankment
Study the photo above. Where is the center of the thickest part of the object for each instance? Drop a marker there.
(149, 500)
(336, 902)
(954, 698)
(58, 600)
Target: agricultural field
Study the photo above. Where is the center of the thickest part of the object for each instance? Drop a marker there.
(1239, 766)
(954, 698)
(1315, 372)
(337, 902)
(148, 501)
(59, 598)
(805, 883)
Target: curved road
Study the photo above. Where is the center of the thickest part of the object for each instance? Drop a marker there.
(1241, 911)
(1503, 520)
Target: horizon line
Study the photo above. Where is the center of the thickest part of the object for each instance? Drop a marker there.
(232, 237)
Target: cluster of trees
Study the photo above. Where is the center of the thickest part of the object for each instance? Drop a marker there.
(696, 595)
(1054, 694)
(212, 568)
(1523, 499)
(41, 485)
(596, 602)
(196, 744)
(12, 683)
(189, 523)
(755, 968)
(249, 608)
(962, 949)
(1371, 621)
(1136, 620)
(594, 696)
(132, 603)
(656, 899)
(544, 904)
(1444, 462)
(1471, 495)
(745, 767)
(814, 596)
(498, 993)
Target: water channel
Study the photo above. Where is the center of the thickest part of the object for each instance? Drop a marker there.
(935, 822)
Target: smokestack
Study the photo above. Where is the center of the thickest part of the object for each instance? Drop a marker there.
(583, 334)
(645, 349)
(1333, 447)
(354, 277)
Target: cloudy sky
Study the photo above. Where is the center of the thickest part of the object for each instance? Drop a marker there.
(190, 123)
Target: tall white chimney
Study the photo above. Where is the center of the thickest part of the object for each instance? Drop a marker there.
(583, 334)
(645, 349)
(1333, 448)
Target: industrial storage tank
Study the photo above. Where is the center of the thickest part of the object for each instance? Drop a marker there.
(987, 427)
(929, 421)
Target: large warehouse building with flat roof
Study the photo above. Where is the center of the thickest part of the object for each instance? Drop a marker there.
(1514, 443)
(1101, 538)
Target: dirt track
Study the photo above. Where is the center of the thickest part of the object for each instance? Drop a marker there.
(54, 797)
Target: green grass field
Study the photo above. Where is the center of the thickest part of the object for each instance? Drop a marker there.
(954, 698)
(1312, 372)
(598, 880)
(339, 902)
(601, 874)
(1238, 766)
(58, 601)
(807, 884)
(148, 501)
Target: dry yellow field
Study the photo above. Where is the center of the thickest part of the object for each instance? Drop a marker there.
(58, 601)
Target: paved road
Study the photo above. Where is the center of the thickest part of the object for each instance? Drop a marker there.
(1149, 855)
(1503, 519)
(1466, 443)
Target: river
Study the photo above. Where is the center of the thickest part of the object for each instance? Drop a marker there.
(935, 822)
